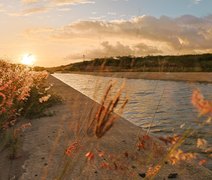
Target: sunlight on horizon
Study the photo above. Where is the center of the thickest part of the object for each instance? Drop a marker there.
(28, 59)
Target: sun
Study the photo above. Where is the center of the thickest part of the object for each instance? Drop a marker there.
(28, 59)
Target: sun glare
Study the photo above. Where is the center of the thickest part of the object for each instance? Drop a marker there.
(28, 59)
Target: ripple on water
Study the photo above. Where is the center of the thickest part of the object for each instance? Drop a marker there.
(170, 100)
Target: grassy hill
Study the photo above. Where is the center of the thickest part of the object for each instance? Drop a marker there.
(183, 63)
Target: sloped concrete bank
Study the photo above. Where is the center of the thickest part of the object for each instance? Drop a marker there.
(203, 77)
(46, 141)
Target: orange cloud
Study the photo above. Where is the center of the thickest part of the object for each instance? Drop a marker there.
(118, 49)
(30, 11)
(29, 1)
(68, 2)
(41, 6)
(145, 35)
(34, 10)
(183, 33)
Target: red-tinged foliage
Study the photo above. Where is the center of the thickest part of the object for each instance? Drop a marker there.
(89, 156)
(202, 162)
(111, 156)
(22, 128)
(153, 171)
(170, 139)
(16, 83)
(178, 155)
(105, 165)
(101, 154)
(142, 141)
(203, 106)
(72, 149)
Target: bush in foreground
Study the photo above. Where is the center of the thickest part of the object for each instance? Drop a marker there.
(23, 93)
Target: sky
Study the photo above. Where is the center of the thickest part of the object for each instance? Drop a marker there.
(59, 32)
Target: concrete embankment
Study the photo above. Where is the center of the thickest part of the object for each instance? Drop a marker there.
(205, 77)
(46, 141)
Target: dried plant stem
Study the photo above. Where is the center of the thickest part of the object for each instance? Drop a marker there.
(155, 112)
(105, 118)
(172, 149)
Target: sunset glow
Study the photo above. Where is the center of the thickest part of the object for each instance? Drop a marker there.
(28, 59)
(105, 89)
(65, 31)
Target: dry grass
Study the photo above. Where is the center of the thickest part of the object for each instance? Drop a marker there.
(148, 155)
(105, 116)
(104, 120)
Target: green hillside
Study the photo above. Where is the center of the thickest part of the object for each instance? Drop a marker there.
(183, 63)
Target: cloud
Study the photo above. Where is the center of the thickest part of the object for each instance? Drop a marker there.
(34, 10)
(197, 1)
(112, 13)
(64, 9)
(105, 50)
(108, 50)
(30, 11)
(72, 2)
(2, 8)
(29, 1)
(62, 2)
(142, 48)
(182, 32)
(38, 33)
(118, 49)
(29, 7)
(144, 35)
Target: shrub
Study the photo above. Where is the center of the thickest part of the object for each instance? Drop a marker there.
(23, 92)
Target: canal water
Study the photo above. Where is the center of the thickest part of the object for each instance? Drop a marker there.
(165, 105)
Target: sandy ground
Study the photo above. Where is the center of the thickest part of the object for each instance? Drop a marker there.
(44, 144)
(181, 76)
